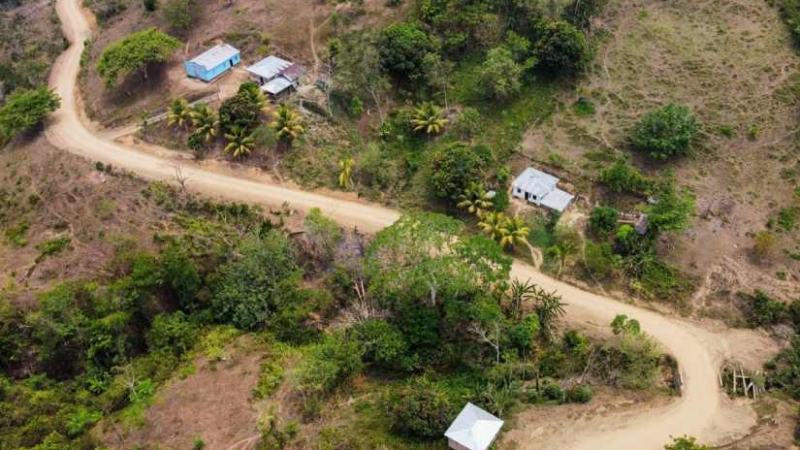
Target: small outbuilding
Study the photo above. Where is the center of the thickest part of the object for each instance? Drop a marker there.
(276, 76)
(541, 189)
(473, 429)
(213, 62)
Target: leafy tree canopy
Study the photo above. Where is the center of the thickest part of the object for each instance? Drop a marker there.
(665, 133)
(134, 53)
(403, 47)
(24, 110)
(500, 74)
(456, 167)
(561, 48)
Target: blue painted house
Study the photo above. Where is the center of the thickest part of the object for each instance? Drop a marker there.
(213, 62)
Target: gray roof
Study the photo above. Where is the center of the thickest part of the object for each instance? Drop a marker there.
(269, 67)
(276, 86)
(544, 187)
(215, 56)
(474, 428)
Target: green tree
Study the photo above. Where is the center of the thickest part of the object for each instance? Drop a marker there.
(561, 48)
(287, 124)
(501, 76)
(403, 47)
(455, 168)
(428, 118)
(328, 366)
(181, 14)
(205, 121)
(549, 308)
(324, 234)
(623, 177)
(24, 110)
(437, 73)
(666, 132)
(243, 110)
(514, 232)
(259, 278)
(672, 210)
(240, 142)
(603, 220)
(475, 200)
(491, 224)
(134, 53)
(357, 70)
(384, 345)
(178, 114)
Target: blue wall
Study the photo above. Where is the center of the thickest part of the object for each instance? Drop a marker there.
(196, 71)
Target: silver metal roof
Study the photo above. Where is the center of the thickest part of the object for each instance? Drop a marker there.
(269, 67)
(276, 86)
(544, 188)
(215, 56)
(474, 428)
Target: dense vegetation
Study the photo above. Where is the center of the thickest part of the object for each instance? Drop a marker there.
(134, 54)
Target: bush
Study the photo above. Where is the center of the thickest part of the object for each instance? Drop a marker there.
(422, 409)
(686, 443)
(383, 345)
(603, 220)
(403, 47)
(599, 259)
(666, 133)
(553, 392)
(623, 177)
(456, 167)
(561, 48)
(469, 123)
(258, 279)
(181, 14)
(762, 310)
(171, 333)
(580, 394)
(329, 365)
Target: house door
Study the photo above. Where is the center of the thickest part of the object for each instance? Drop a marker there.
(527, 196)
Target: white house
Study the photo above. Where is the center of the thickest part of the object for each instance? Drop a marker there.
(473, 429)
(541, 189)
(276, 75)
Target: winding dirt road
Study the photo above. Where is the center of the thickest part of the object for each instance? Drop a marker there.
(697, 412)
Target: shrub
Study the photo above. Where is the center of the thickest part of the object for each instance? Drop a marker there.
(580, 394)
(685, 443)
(764, 245)
(469, 123)
(150, 5)
(455, 168)
(623, 177)
(603, 220)
(561, 48)
(762, 310)
(421, 409)
(181, 14)
(666, 133)
(599, 259)
(553, 392)
(243, 110)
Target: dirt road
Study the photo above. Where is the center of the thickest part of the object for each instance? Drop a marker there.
(696, 413)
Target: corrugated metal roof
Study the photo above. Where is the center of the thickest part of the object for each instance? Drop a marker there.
(557, 199)
(269, 67)
(543, 188)
(474, 428)
(276, 86)
(215, 56)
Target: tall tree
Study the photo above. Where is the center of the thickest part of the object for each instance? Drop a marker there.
(24, 110)
(134, 53)
(286, 123)
(357, 70)
(475, 200)
(240, 142)
(205, 121)
(428, 118)
(178, 114)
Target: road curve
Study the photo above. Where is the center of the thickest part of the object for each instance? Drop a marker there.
(693, 413)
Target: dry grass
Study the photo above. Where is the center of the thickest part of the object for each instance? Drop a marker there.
(731, 61)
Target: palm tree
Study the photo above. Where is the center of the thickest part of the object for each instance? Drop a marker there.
(287, 124)
(205, 121)
(346, 176)
(562, 252)
(492, 225)
(519, 293)
(514, 232)
(428, 117)
(240, 142)
(475, 200)
(178, 113)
